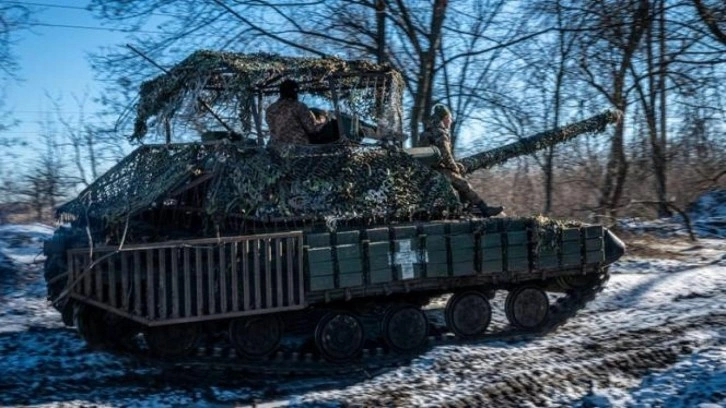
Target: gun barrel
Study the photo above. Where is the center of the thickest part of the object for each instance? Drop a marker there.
(540, 141)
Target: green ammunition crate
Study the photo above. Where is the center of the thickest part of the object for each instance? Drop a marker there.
(350, 251)
(317, 255)
(547, 262)
(466, 255)
(380, 262)
(571, 234)
(381, 275)
(377, 234)
(571, 247)
(322, 282)
(349, 280)
(404, 232)
(513, 224)
(437, 270)
(518, 264)
(462, 242)
(436, 243)
(594, 256)
(350, 265)
(491, 254)
(378, 250)
(517, 252)
(459, 228)
(594, 231)
(517, 238)
(571, 259)
(347, 237)
(434, 229)
(321, 268)
(594, 244)
(492, 240)
(317, 240)
(464, 268)
(492, 267)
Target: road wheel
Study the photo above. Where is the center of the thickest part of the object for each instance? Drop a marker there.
(256, 337)
(339, 336)
(173, 340)
(405, 328)
(468, 314)
(100, 328)
(527, 308)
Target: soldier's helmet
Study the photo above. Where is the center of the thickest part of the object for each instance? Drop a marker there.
(439, 112)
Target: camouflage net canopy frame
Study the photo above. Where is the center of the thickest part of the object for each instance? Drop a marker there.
(324, 183)
(239, 87)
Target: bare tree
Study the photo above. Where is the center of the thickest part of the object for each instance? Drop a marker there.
(13, 18)
(81, 138)
(46, 184)
(549, 67)
(712, 17)
(618, 28)
(407, 34)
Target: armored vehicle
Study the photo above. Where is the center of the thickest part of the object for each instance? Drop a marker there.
(212, 231)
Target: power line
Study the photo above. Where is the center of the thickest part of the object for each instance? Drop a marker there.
(65, 7)
(119, 30)
(30, 3)
(80, 27)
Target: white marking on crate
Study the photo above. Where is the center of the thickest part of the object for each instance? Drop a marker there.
(406, 258)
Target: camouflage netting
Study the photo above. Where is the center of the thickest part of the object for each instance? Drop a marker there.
(540, 141)
(340, 182)
(233, 83)
(347, 182)
(137, 182)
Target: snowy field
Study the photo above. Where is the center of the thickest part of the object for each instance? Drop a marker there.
(656, 336)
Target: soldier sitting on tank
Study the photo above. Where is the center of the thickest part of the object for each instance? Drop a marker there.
(289, 120)
(437, 133)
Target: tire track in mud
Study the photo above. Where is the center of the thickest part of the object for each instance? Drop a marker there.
(524, 377)
(502, 369)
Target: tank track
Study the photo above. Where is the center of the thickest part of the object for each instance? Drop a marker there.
(217, 362)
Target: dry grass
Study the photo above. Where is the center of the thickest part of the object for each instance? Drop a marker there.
(649, 246)
(519, 187)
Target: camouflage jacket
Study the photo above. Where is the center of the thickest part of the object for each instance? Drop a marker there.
(438, 135)
(290, 121)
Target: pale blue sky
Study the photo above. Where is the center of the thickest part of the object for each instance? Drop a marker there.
(53, 58)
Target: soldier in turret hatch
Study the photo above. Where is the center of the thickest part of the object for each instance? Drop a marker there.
(437, 133)
(289, 120)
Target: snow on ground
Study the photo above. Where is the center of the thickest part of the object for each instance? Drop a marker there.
(654, 337)
(23, 244)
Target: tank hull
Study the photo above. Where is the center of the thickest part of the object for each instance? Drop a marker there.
(190, 281)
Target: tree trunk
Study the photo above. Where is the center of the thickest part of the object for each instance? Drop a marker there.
(617, 166)
(664, 208)
(93, 161)
(381, 31)
(423, 97)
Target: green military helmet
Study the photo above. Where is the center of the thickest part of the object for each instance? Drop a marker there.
(439, 112)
